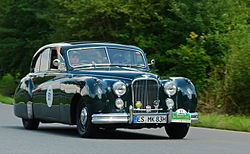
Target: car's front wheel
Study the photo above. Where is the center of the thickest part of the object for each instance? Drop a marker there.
(30, 123)
(177, 130)
(84, 126)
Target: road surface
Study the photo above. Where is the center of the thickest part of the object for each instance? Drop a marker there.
(63, 139)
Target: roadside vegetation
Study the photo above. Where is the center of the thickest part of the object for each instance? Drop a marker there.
(235, 122)
(204, 40)
(6, 99)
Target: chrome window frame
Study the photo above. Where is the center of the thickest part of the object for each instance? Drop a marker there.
(132, 50)
(107, 53)
(85, 48)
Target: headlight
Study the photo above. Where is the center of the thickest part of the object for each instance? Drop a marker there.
(119, 103)
(170, 88)
(119, 88)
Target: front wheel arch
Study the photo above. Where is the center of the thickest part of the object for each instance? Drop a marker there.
(73, 107)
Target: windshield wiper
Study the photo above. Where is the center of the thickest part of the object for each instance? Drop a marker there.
(139, 66)
(117, 65)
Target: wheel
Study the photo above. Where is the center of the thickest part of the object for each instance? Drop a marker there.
(30, 123)
(177, 130)
(84, 126)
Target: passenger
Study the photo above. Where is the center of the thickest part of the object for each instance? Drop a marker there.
(74, 60)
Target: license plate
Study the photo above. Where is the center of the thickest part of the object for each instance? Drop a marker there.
(181, 116)
(150, 119)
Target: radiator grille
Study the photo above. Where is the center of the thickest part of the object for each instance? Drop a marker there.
(145, 91)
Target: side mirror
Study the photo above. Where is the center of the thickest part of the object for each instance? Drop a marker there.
(56, 62)
(152, 61)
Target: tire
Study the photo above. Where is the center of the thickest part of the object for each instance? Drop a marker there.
(83, 120)
(30, 124)
(177, 130)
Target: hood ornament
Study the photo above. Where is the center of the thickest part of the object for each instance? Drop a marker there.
(145, 76)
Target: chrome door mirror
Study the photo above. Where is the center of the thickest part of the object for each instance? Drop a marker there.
(152, 61)
(56, 62)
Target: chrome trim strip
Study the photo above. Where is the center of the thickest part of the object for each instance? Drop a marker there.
(144, 58)
(194, 117)
(110, 118)
(131, 116)
(153, 114)
(84, 48)
(106, 51)
(149, 112)
(30, 109)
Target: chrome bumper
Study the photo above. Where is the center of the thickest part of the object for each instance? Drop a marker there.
(122, 118)
(110, 118)
(194, 117)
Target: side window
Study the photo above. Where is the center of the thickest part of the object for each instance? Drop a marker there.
(53, 57)
(37, 66)
(45, 60)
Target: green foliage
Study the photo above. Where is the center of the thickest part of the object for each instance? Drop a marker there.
(236, 122)
(23, 29)
(189, 60)
(6, 99)
(8, 85)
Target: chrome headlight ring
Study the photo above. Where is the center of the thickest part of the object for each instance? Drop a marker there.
(170, 88)
(119, 88)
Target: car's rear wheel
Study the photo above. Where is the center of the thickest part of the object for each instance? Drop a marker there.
(177, 130)
(83, 119)
(30, 123)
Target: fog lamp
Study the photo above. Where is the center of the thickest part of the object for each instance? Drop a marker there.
(169, 103)
(119, 103)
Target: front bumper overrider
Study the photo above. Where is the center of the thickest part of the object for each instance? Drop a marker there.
(122, 118)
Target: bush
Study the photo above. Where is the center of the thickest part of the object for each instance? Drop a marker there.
(8, 84)
(189, 60)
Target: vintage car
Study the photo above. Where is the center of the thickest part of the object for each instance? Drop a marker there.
(100, 85)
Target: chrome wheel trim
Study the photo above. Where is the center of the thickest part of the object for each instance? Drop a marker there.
(84, 116)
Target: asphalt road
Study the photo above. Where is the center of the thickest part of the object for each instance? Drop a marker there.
(60, 139)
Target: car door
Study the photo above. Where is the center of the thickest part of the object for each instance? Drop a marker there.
(43, 83)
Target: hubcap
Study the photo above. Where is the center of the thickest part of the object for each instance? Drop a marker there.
(84, 116)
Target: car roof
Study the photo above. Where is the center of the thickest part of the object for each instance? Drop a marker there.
(98, 43)
(79, 44)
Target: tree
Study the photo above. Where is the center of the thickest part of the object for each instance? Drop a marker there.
(23, 29)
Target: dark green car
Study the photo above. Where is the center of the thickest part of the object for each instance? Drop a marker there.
(106, 86)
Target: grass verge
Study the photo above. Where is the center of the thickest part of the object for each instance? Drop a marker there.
(236, 122)
(6, 99)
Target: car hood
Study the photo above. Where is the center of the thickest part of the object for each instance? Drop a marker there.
(115, 73)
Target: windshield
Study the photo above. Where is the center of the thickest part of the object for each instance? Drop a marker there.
(101, 56)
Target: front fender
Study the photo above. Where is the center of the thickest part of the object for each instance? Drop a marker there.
(92, 90)
(186, 96)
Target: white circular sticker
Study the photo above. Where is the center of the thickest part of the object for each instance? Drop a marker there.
(181, 111)
(49, 96)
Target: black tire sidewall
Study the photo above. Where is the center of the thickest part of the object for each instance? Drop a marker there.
(87, 132)
(177, 130)
(30, 123)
